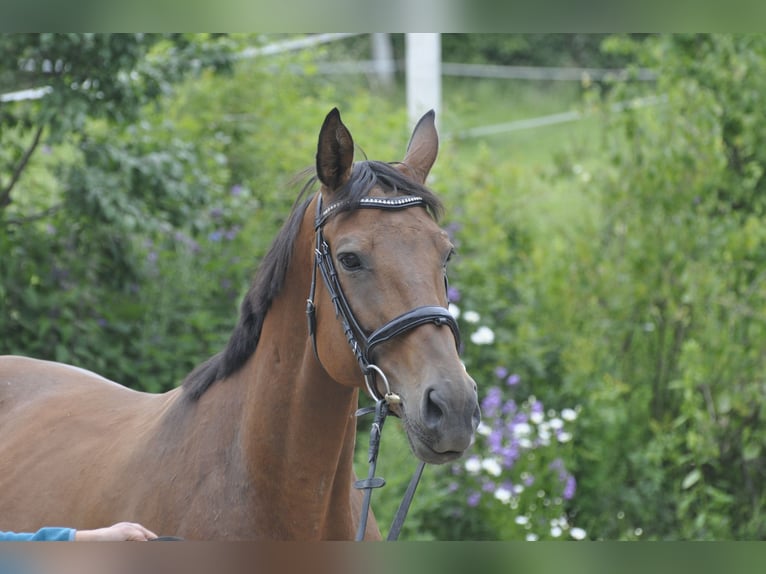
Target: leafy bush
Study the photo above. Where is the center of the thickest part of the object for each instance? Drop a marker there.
(621, 279)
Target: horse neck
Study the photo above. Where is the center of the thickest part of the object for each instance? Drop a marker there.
(299, 425)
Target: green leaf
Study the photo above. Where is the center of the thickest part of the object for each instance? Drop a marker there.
(691, 479)
(751, 451)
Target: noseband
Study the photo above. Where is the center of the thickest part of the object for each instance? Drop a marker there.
(363, 342)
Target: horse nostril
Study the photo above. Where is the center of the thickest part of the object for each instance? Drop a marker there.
(433, 412)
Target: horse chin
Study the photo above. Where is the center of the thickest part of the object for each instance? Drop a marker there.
(424, 451)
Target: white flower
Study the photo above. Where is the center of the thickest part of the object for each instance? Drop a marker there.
(472, 317)
(454, 310)
(484, 429)
(556, 423)
(532, 537)
(577, 533)
(473, 465)
(560, 522)
(569, 414)
(521, 520)
(503, 495)
(525, 443)
(537, 417)
(483, 336)
(564, 437)
(555, 531)
(492, 466)
(522, 429)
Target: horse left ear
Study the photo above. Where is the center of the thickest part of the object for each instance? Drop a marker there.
(335, 152)
(423, 147)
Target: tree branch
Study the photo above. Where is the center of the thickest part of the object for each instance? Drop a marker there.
(35, 216)
(5, 194)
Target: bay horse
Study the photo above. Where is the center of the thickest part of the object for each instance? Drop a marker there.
(258, 441)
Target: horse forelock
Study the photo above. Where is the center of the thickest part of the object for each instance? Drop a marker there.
(390, 178)
(366, 176)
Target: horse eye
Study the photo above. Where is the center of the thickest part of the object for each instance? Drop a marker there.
(350, 261)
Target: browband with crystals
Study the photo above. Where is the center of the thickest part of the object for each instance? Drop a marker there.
(399, 202)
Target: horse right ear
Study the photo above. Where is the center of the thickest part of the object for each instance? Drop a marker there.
(335, 152)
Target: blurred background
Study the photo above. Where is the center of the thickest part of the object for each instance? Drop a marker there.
(606, 195)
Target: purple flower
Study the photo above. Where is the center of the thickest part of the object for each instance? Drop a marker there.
(473, 499)
(519, 418)
(529, 480)
(501, 372)
(488, 486)
(452, 487)
(236, 190)
(453, 294)
(569, 488)
(492, 402)
(215, 235)
(495, 440)
(510, 454)
(216, 212)
(556, 464)
(509, 407)
(513, 380)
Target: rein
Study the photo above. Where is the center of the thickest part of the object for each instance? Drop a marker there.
(362, 345)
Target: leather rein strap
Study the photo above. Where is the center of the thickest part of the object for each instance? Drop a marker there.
(362, 345)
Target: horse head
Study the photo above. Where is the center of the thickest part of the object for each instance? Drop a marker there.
(383, 260)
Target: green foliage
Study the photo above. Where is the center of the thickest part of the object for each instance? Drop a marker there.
(652, 311)
(636, 296)
(620, 278)
(87, 169)
(530, 50)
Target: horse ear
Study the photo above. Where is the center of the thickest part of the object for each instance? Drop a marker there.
(335, 152)
(423, 147)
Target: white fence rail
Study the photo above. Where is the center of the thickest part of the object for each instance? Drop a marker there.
(552, 119)
(373, 67)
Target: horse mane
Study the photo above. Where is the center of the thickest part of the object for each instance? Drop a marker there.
(272, 271)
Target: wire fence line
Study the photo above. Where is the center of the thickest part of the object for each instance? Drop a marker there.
(486, 71)
(552, 119)
(489, 71)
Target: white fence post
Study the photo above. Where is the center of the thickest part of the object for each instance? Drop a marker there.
(383, 59)
(423, 69)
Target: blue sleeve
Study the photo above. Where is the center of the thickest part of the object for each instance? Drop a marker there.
(49, 533)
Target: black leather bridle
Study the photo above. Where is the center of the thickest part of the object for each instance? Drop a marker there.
(363, 342)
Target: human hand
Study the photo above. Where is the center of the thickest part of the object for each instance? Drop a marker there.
(122, 531)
